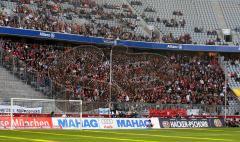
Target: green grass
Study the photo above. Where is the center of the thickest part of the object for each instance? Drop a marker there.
(162, 135)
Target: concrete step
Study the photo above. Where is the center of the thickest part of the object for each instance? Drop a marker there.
(219, 14)
(11, 86)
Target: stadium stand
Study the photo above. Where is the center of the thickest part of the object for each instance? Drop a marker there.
(150, 76)
(232, 66)
(188, 21)
(138, 76)
(190, 17)
(91, 18)
(230, 10)
(150, 71)
(144, 77)
(11, 86)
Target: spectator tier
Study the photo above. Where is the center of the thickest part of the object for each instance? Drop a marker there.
(84, 72)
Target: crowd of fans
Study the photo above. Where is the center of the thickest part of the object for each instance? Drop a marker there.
(83, 17)
(214, 38)
(183, 39)
(212, 32)
(74, 74)
(149, 9)
(138, 3)
(170, 79)
(177, 13)
(79, 17)
(198, 30)
(177, 22)
(83, 73)
(174, 23)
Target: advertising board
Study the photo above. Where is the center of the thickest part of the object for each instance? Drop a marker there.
(75, 123)
(107, 123)
(104, 123)
(19, 109)
(191, 123)
(26, 122)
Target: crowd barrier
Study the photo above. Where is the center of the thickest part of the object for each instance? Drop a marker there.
(128, 43)
(107, 123)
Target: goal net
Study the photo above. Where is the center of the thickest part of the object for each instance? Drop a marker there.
(39, 113)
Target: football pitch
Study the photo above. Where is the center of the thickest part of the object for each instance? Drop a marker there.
(162, 135)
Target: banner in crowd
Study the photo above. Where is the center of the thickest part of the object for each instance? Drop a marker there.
(19, 109)
(191, 123)
(192, 112)
(104, 111)
(128, 43)
(26, 122)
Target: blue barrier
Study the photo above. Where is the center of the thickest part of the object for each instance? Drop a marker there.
(49, 35)
(181, 47)
(99, 40)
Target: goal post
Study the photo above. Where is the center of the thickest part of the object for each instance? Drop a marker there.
(38, 113)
